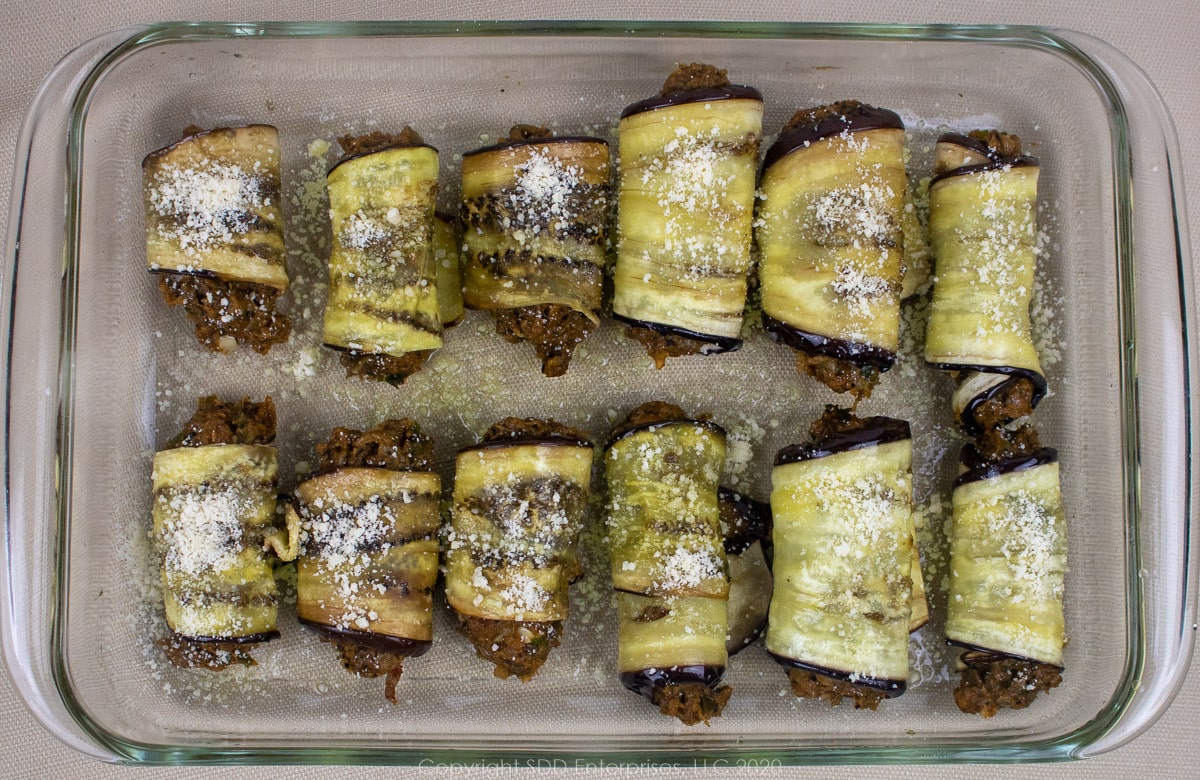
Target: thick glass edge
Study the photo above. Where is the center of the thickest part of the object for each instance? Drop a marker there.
(1070, 46)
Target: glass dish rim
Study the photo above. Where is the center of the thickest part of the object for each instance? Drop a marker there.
(1054, 748)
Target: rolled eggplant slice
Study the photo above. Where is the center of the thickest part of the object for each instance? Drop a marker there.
(383, 313)
(216, 534)
(520, 501)
(668, 560)
(831, 238)
(448, 258)
(746, 524)
(841, 610)
(983, 233)
(214, 233)
(369, 548)
(685, 213)
(535, 211)
(1008, 547)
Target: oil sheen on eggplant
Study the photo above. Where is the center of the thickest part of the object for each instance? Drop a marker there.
(685, 213)
(668, 560)
(383, 312)
(830, 233)
(520, 501)
(843, 532)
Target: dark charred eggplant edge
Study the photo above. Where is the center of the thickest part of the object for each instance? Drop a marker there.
(857, 117)
(862, 355)
(536, 141)
(978, 469)
(685, 96)
(996, 161)
(875, 430)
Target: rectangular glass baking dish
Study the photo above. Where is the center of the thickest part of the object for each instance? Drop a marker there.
(99, 373)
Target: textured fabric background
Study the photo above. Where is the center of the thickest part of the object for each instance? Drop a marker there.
(1157, 34)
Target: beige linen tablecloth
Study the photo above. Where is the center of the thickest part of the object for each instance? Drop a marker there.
(1162, 36)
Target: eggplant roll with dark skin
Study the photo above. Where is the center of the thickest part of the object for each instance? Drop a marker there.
(685, 213)
(447, 257)
(368, 562)
(217, 534)
(214, 234)
(383, 313)
(983, 233)
(535, 211)
(1008, 558)
(520, 501)
(842, 608)
(668, 560)
(831, 242)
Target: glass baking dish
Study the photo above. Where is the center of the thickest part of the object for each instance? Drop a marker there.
(99, 373)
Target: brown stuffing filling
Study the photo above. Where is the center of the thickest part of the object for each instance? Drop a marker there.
(811, 116)
(691, 702)
(208, 301)
(398, 445)
(377, 141)
(528, 133)
(370, 662)
(810, 685)
(999, 444)
(1015, 402)
(516, 428)
(1003, 144)
(648, 414)
(661, 346)
(554, 331)
(835, 420)
(227, 422)
(384, 368)
(518, 648)
(990, 683)
(840, 376)
(214, 656)
(693, 75)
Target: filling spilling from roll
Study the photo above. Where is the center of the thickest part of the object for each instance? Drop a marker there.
(383, 312)
(1008, 548)
(668, 560)
(214, 233)
(217, 535)
(831, 239)
(520, 501)
(983, 233)
(843, 601)
(685, 213)
(535, 210)
(368, 562)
